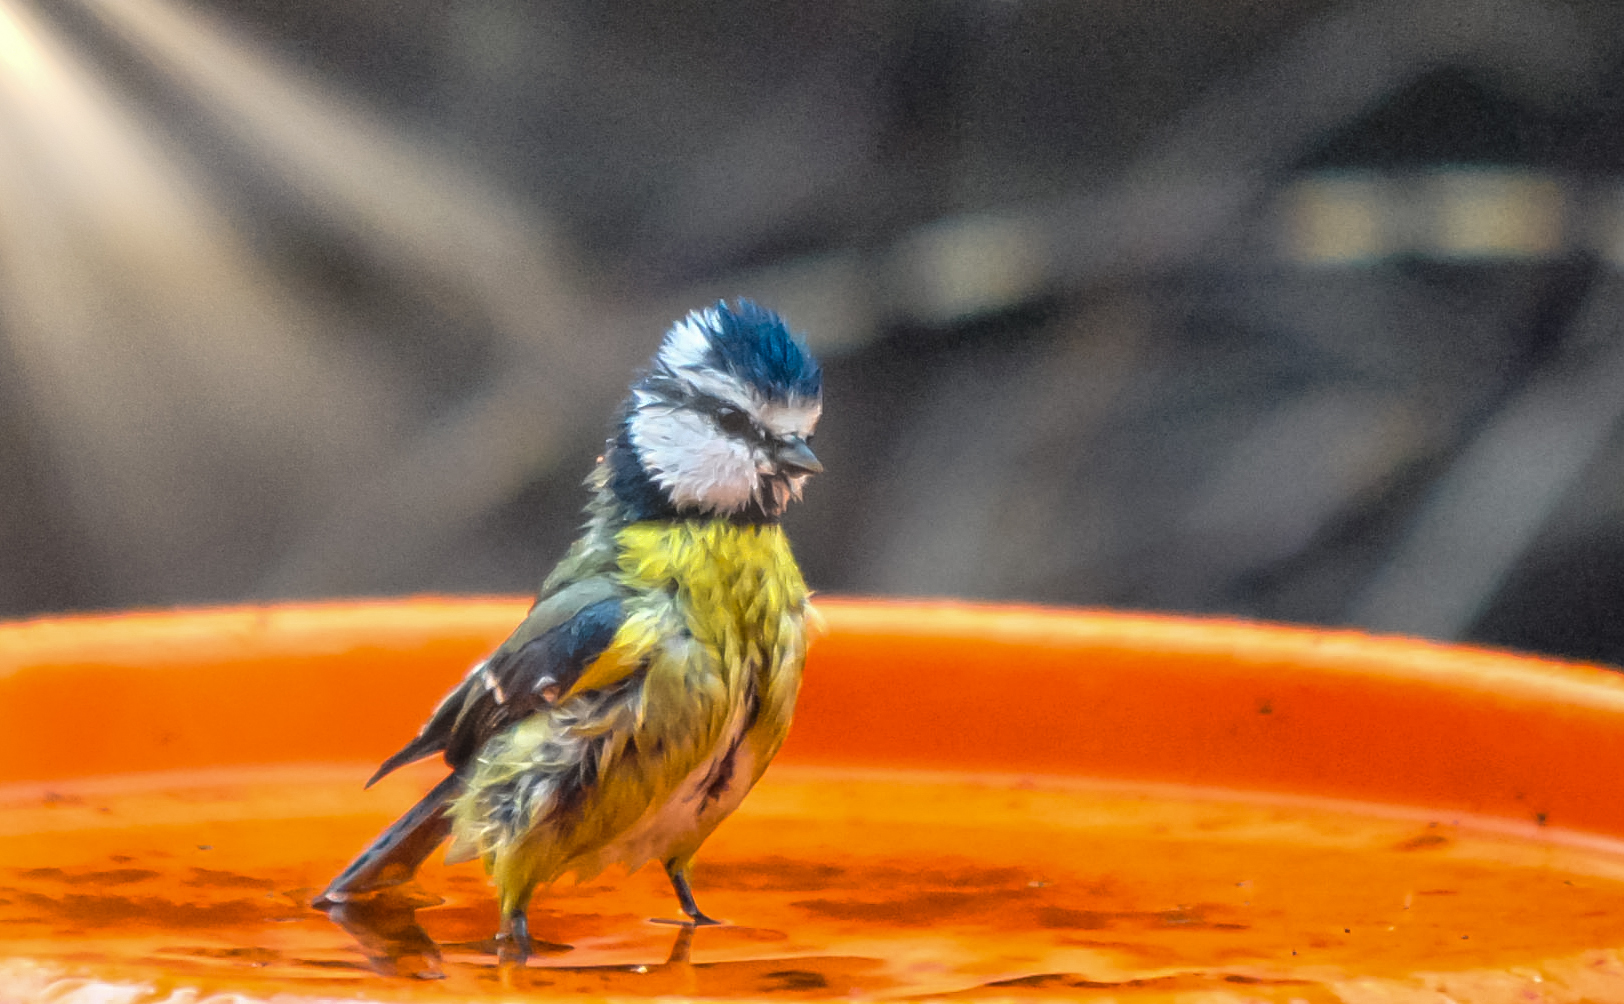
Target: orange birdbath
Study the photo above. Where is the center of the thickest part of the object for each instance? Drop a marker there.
(977, 802)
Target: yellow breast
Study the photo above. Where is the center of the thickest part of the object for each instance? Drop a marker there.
(719, 599)
(734, 583)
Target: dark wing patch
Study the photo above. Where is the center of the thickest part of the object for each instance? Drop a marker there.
(511, 685)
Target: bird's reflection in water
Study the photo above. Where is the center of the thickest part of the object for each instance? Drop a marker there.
(385, 926)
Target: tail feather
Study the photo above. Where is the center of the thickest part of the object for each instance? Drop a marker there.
(413, 751)
(395, 855)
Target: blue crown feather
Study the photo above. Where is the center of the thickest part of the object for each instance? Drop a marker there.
(753, 344)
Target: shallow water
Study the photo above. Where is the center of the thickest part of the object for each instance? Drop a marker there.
(834, 884)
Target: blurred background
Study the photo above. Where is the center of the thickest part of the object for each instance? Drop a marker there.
(1305, 311)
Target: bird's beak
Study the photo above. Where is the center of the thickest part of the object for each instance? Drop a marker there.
(793, 456)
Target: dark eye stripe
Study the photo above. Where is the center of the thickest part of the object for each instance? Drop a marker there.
(730, 418)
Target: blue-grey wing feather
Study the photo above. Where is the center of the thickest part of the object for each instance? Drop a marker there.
(541, 660)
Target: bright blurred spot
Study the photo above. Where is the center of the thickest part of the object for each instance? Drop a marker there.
(1606, 224)
(18, 51)
(971, 265)
(1337, 219)
(1474, 214)
(1495, 214)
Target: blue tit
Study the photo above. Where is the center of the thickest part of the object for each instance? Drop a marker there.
(655, 676)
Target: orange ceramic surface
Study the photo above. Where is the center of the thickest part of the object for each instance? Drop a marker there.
(986, 802)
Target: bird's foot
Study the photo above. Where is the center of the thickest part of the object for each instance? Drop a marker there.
(685, 899)
(513, 940)
(699, 921)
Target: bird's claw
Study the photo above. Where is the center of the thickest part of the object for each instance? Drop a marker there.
(513, 941)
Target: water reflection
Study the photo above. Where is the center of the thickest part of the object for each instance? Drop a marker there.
(385, 927)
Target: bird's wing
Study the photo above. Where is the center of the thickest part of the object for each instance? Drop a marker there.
(539, 663)
(644, 627)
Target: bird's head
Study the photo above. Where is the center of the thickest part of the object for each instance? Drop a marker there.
(721, 424)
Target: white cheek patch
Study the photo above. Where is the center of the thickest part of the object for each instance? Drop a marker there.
(688, 457)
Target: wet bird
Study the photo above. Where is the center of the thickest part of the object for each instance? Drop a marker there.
(655, 676)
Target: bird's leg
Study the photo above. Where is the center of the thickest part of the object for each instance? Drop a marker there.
(685, 896)
(513, 939)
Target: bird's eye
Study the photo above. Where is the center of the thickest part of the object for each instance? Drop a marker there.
(733, 421)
